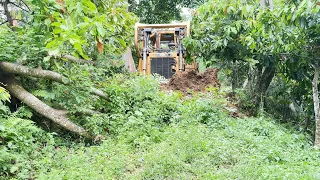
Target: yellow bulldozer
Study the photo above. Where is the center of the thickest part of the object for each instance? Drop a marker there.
(160, 49)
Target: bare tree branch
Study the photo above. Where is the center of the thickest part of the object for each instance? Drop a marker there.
(100, 93)
(14, 19)
(39, 73)
(3, 23)
(7, 13)
(18, 6)
(25, 5)
(77, 60)
(26, 71)
(57, 116)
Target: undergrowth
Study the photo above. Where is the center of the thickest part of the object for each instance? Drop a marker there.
(164, 135)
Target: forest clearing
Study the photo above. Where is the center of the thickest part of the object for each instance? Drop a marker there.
(149, 89)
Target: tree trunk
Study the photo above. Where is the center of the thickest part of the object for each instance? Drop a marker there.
(235, 76)
(34, 72)
(128, 60)
(264, 80)
(39, 73)
(7, 14)
(57, 116)
(316, 103)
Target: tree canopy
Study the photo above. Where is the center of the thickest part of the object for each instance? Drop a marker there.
(160, 11)
(256, 45)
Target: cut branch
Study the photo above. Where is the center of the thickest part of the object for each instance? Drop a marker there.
(18, 6)
(26, 5)
(77, 60)
(100, 93)
(26, 71)
(3, 23)
(7, 13)
(57, 116)
(39, 73)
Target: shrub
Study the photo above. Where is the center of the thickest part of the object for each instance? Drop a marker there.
(21, 141)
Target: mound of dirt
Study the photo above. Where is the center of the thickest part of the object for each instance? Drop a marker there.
(194, 81)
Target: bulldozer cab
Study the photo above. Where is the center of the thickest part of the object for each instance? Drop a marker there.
(160, 48)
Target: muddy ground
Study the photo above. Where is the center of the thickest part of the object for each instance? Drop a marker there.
(197, 82)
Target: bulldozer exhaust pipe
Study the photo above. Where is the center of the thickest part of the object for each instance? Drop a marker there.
(145, 53)
(180, 57)
(144, 65)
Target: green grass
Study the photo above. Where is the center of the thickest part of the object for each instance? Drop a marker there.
(228, 149)
(155, 135)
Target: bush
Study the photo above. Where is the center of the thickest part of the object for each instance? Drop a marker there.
(21, 141)
(158, 135)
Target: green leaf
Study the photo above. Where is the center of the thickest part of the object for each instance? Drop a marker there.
(78, 47)
(13, 169)
(54, 52)
(138, 113)
(85, 56)
(46, 59)
(91, 6)
(244, 12)
(122, 42)
(47, 22)
(65, 80)
(64, 27)
(4, 95)
(249, 9)
(225, 42)
(82, 25)
(79, 8)
(2, 128)
(100, 29)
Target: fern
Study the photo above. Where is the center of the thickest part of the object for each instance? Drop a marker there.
(4, 95)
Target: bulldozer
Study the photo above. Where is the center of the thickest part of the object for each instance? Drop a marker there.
(160, 49)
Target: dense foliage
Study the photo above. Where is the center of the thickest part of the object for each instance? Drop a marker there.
(161, 11)
(93, 34)
(21, 141)
(176, 137)
(79, 28)
(270, 54)
(64, 57)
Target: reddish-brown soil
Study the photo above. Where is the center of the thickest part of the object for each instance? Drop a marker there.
(193, 81)
(199, 82)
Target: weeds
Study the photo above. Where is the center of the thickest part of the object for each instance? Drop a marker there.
(155, 135)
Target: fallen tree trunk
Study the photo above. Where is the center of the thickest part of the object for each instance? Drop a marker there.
(26, 71)
(57, 116)
(77, 60)
(39, 73)
(100, 93)
(15, 88)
